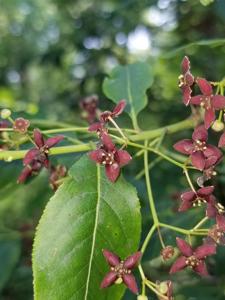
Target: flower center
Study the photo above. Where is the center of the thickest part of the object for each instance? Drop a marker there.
(206, 102)
(220, 208)
(216, 234)
(182, 81)
(108, 158)
(199, 145)
(192, 261)
(198, 201)
(120, 270)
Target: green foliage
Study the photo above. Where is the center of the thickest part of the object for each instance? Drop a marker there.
(130, 82)
(88, 213)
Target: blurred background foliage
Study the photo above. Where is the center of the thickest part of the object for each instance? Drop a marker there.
(52, 54)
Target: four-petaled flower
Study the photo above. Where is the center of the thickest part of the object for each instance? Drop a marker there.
(201, 153)
(217, 231)
(192, 258)
(119, 108)
(208, 101)
(191, 199)
(21, 125)
(186, 80)
(120, 270)
(37, 157)
(112, 158)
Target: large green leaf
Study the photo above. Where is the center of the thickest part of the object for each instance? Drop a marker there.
(87, 213)
(129, 82)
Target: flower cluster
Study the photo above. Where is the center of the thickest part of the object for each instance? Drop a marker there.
(204, 157)
(107, 154)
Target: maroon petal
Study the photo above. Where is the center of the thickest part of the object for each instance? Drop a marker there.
(205, 191)
(189, 78)
(132, 260)
(107, 141)
(184, 247)
(111, 258)
(108, 280)
(209, 117)
(26, 172)
(185, 205)
(184, 146)
(130, 282)
(188, 196)
(123, 157)
(186, 90)
(204, 250)
(204, 86)
(112, 171)
(211, 210)
(198, 160)
(95, 127)
(31, 155)
(201, 269)
(119, 108)
(196, 100)
(212, 151)
(185, 65)
(178, 265)
(200, 133)
(38, 138)
(220, 221)
(218, 102)
(211, 161)
(97, 155)
(222, 140)
(53, 141)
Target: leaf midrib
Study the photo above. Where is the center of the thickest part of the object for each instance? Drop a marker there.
(94, 233)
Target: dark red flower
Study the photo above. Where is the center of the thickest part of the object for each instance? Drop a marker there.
(201, 153)
(119, 108)
(192, 258)
(191, 199)
(37, 157)
(208, 101)
(167, 252)
(112, 158)
(214, 208)
(166, 289)
(89, 106)
(21, 125)
(56, 174)
(217, 232)
(208, 172)
(121, 270)
(98, 127)
(186, 80)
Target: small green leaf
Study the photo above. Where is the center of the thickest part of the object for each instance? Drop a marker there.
(129, 82)
(87, 213)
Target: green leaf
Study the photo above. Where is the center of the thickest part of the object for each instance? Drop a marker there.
(129, 82)
(87, 213)
(10, 249)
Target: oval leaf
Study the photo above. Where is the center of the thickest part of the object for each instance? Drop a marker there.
(87, 213)
(129, 82)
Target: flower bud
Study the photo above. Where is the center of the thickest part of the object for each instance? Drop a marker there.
(218, 126)
(5, 113)
(167, 252)
(142, 297)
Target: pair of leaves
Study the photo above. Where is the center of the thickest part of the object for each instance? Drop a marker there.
(87, 213)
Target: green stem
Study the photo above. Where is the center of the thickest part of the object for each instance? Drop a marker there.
(181, 230)
(150, 134)
(13, 155)
(148, 237)
(149, 189)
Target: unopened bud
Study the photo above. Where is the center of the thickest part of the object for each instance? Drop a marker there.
(167, 252)
(5, 113)
(163, 287)
(218, 126)
(142, 297)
